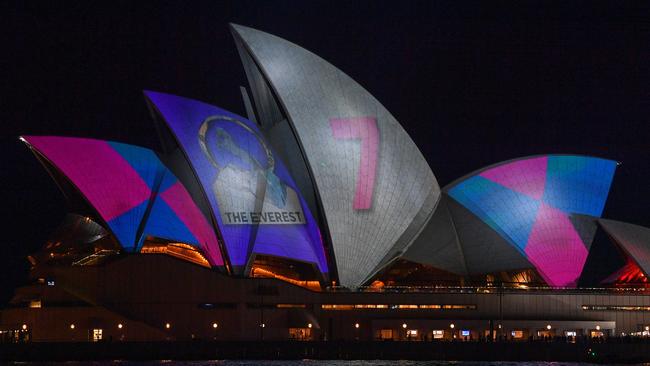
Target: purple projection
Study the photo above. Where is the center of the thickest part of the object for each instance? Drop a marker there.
(254, 200)
(130, 188)
(529, 202)
(365, 130)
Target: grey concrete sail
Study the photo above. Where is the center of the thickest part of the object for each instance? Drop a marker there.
(484, 250)
(586, 227)
(438, 245)
(374, 188)
(457, 241)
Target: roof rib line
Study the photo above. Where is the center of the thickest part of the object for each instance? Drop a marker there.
(460, 247)
(145, 217)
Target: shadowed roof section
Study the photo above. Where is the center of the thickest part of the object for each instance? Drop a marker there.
(131, 190)
(633, 239)
(457, 241)
(586, 227)
(375, 188)
(543, 206)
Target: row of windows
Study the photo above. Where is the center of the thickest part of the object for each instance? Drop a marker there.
(616, 307)
(38, 303)
(208, 306)
(397, 307)
(255, 305)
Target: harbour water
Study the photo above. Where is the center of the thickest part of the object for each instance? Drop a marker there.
(300, 363)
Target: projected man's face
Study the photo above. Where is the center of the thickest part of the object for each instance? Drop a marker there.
(246, 188)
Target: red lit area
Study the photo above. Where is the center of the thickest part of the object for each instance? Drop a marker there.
(182, 251)
(630, 273)
(297, 273)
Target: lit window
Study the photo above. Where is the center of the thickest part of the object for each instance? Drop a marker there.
(35, 304)
(337, 307)
(179, 250)
(386, 334)
(395, 306)
(370, 306)
(458, 307)
(286, 306)
(615, 308)
(300, 334)
(97, 335)
(596, 334)
(543, 333)
(517, 334)
(438, 334)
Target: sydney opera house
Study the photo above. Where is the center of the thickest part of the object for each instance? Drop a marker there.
(316, 217)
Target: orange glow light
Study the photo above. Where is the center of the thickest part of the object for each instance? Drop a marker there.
(178, 250)
(260, 272)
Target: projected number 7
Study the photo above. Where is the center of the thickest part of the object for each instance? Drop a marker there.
(365, 130)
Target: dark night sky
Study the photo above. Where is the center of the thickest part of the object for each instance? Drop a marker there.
(473, 83)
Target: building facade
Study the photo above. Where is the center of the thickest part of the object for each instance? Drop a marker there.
(316, 217)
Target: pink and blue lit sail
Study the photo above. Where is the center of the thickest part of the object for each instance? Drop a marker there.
(132, 191)
(529, 203)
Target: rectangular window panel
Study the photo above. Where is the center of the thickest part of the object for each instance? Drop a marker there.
(615, 308)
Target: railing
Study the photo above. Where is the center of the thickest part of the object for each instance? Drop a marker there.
(506, 288)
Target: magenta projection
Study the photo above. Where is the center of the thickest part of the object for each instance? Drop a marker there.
(181, 203)
(111, 194)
